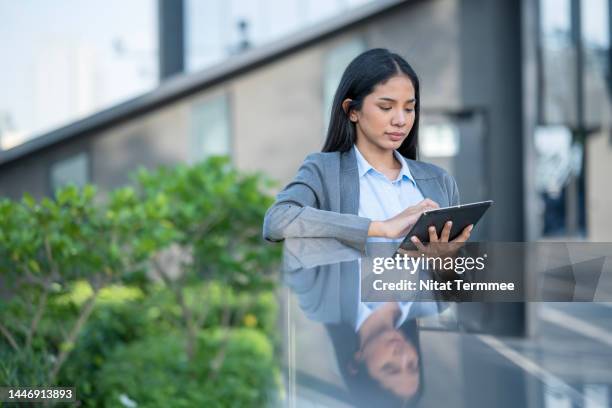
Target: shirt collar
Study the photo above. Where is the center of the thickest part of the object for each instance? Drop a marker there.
(363, 167)
(367, 308)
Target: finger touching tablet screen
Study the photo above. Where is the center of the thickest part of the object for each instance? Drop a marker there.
(461, 216)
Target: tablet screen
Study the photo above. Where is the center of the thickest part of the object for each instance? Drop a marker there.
(461, 216)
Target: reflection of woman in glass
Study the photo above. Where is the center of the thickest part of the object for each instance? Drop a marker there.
(380, 362)
(367, 181)
(376, 344)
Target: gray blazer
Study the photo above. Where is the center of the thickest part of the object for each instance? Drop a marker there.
(324, 276)
(323, 199)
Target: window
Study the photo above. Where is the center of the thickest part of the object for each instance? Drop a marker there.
(559, 181)
(439, 140)
(71, 59)
(217, 29)
(575, 88)
(210, 129)
(73, 170)
(574, 101)
(335, 63)
(596, 59)
(558, 71)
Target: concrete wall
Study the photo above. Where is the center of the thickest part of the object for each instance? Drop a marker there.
(150, 141)
(426, 34)
(277, 115)
(32, 173)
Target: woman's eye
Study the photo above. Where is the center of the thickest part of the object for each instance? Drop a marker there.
(385, 108)
(409, 110)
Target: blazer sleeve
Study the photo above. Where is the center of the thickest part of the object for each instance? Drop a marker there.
(297, 212)
(453, 191)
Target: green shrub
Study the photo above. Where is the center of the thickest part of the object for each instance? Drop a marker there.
(23, 368)
(78, 267)
(109, 327)
(123, 315)
(156, 372)
(251, 309)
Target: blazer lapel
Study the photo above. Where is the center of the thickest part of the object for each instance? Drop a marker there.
(349, 291)
(349, 183)
(349, 271)
(430, 188)
(429, 185)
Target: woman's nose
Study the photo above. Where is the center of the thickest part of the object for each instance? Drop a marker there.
(399, 119)
(397, 349)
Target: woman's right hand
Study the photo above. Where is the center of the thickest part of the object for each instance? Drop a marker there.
(398, 226)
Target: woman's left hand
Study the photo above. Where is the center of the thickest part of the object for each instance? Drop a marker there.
(440, 246)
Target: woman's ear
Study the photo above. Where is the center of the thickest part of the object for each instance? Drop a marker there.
(351, 114)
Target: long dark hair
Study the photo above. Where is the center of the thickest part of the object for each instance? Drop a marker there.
(367, 70)
(363, 390)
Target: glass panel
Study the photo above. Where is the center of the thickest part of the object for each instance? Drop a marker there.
(439, 140)
(554, 398)
(341, 351)
(596, 45)
(575, 102)
(555, 18)
(210, 134)
(558, 63)
(558, 162)
(595, 21)
(596, 395)
(74, 170)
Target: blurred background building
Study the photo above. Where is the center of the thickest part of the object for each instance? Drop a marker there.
(515, 94)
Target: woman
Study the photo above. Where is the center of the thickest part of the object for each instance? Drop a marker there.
(381, 364)
(367, 183)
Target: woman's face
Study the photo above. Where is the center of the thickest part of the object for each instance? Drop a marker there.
(386, 116)
(393, 362)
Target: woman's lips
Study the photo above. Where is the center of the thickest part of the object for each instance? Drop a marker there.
(396, 137)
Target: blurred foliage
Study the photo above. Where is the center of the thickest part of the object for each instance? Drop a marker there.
(218, 213)
(156, 372)
(178, 252)
(126, 320)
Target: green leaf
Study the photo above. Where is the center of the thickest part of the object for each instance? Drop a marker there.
(34, 266)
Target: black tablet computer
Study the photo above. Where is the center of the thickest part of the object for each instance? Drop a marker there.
(461, 216)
